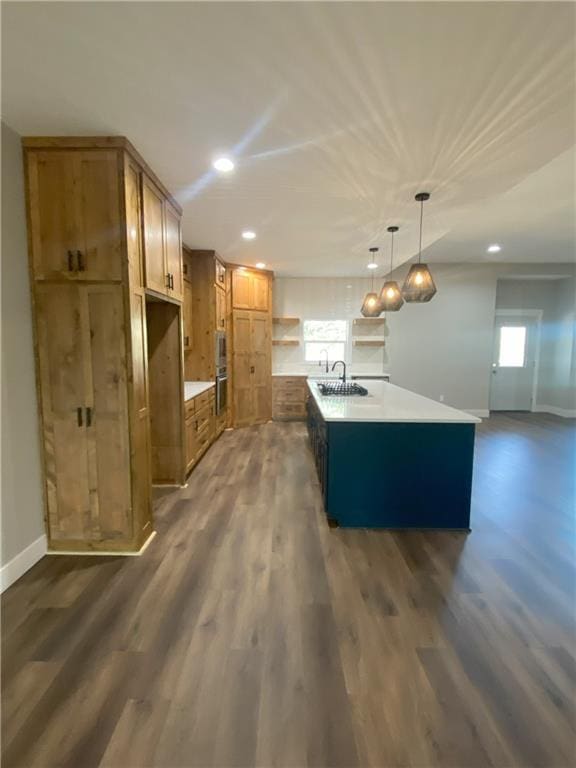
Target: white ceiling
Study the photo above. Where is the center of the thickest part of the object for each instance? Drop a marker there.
(337, 114)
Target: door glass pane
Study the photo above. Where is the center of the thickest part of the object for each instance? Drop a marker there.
(512, 351)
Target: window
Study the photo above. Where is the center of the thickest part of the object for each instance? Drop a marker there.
(512, 352)
(322, 336)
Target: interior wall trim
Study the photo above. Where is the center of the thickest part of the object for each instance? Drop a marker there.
(566, 413)
(22, 562)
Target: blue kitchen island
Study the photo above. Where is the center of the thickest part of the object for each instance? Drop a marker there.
(392, 459)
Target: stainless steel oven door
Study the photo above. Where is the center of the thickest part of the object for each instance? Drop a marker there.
(221, 393)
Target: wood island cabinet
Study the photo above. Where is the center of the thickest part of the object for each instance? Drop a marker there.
(91, 219)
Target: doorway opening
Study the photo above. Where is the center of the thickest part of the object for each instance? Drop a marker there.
(515, 359)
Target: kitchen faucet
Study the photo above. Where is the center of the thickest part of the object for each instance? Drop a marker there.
(343, 377)
(325, 351)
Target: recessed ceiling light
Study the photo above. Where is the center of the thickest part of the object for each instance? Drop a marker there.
(260, 264)
(372, 265)
(494, 248)
(248, 235)
(223, 164)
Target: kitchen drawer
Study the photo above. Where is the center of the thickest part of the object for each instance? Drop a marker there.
(203, 416)
(203, 439)
(206, 398)
(287, 411)
(189, 408)
(289, 395)
(289, 382)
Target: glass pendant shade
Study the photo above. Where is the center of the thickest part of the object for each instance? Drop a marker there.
(391, 297)
(371, 305)
(419, 286)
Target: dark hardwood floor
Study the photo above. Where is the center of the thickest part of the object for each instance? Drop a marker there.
(252, 634)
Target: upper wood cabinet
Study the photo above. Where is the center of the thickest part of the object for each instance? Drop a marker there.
(250, 289)
(75, 215)
(220, 274)
(133, 223)
(162, 242)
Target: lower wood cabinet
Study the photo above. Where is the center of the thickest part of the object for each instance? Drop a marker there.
(200, 426)
(289, 395)
(83, 385)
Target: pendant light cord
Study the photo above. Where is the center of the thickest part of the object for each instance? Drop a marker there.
(421, 216)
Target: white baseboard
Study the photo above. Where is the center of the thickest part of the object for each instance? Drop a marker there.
(482, 413)
(23, 561)
(566, 413)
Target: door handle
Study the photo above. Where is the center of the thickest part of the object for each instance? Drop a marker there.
(88, 417)
(79, 416)
(80, 261)
(70, 261)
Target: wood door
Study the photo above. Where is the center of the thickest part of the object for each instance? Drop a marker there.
(242, 364)
(140, 448)
(133, 224)
(52, 214)
(261, 367)
(220, 309)
(153, 229)
(187, 309)
(260, 292)
(242, 288)
(63, 394)
(107, 425)
(98, 246)
(173, 245)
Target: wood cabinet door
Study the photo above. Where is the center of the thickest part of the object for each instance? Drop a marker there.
(173, 244)
(187, 306)
(242, 367)
(191, 443)
(220, 274)
(242, 287)
(261, 367)
(260, 292)
(61, 336)
(140, 447)
(108, 426)
(52, 214)
(98, 245)
(220, 309)
(133, 224)
(153, 236)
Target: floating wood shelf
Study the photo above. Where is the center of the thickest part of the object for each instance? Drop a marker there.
(285, 320)
(369, 343)
(369, 320)
(285, 342)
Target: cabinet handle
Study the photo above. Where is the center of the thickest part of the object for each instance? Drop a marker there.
(172, 281)
(221, 277)
(88, 417)
(70, 261)
(168, 280)
(79, 416)
(80, 261)
(186, 340)
(251, 369)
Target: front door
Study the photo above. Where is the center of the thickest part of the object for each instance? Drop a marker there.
(513, 363)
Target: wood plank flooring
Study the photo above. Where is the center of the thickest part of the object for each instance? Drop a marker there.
(252, 634)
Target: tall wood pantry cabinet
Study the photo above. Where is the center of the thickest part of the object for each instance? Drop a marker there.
(251, 313)
(96, 252)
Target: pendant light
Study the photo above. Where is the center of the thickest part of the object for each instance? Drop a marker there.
(371, 305)
(419, 286)
(391, 296)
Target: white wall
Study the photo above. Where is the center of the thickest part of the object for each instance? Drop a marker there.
(443, 348)
(23, 539)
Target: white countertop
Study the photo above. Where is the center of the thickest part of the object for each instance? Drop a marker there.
(387, 403)
(320, 373)
(193, 388)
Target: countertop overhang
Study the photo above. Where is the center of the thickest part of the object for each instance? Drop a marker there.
(194, 388)
(387, 403)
